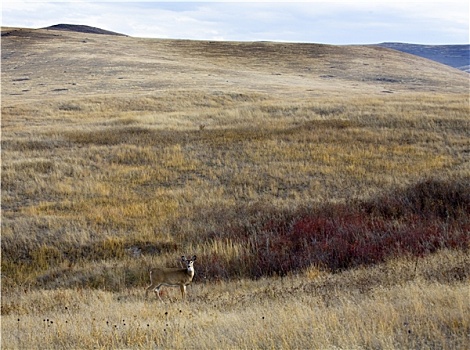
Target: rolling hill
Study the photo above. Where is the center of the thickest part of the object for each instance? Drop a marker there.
(323, 189)
(50, 62)
(82, 29)
(457, 56)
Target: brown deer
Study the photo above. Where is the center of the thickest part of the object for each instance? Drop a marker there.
(172, 277)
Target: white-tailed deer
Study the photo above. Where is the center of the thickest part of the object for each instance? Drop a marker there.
(172, 277)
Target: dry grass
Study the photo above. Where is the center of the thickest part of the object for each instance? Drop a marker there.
(221, 154)
(388, 306)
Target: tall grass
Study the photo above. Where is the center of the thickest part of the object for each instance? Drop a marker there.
(394, 304)
(93, 178)
(349, 215)
(324, 190)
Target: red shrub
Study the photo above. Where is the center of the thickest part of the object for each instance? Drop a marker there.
(418, 221)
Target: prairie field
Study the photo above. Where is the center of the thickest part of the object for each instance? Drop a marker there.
(324, 189)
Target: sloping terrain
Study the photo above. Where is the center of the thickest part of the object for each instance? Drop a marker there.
(57, 63)
(457, 56)
(324, 190)
(82, 29)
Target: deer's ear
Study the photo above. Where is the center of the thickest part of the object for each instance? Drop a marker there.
(183, 258)
(194, 258)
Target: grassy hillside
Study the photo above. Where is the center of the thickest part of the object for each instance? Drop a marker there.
(457, 56)
(66, 65)
(329, 183)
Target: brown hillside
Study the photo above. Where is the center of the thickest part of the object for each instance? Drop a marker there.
(42, 62)
(323, 189)
(82, 29)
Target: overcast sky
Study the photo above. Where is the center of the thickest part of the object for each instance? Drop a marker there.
(331, 22)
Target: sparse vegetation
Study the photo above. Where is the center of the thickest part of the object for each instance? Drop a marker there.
(346, 213)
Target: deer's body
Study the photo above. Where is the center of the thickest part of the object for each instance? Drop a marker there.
(172, 277)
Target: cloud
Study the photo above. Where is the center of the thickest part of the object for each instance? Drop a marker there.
(335, 22)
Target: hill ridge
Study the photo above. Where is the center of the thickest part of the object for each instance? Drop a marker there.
(454, 55)
(117, 64)
(82, 29)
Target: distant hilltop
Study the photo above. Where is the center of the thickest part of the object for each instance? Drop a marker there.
(82, 29)
(457, 56)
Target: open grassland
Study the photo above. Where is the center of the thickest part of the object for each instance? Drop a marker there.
(87, 186)
(326, 198)
(394, 305)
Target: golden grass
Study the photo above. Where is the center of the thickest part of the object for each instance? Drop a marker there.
(388, 306)
(94, 188)
(109, 168)
(83, 176)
